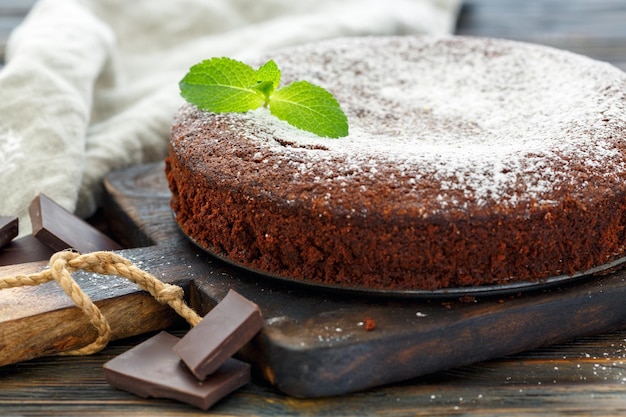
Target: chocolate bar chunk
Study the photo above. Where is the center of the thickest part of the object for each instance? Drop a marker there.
(59, 229)
(8, 229)
(24, 249)
(152, 369)
(222, 332)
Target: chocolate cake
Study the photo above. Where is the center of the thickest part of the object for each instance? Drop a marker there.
(469, 162)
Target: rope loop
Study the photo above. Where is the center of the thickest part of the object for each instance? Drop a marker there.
(63, 264)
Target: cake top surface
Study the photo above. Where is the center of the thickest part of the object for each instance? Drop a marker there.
(472, 120)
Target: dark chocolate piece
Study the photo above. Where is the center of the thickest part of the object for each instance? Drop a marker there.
(59, 229)
(8, 229)
(222, 332)
(152, 369)
(24, 249)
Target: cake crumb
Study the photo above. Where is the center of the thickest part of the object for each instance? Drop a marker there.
(369, 324)
(467, 299)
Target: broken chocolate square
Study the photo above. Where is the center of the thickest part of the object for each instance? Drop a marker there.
(222, 332)
(59, 229)
(8, 229)
(152, 369)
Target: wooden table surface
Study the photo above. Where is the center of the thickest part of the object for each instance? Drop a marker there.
(583, 377)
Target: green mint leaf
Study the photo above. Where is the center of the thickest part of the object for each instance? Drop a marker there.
(222, 85)
(269, 72)
(268, 78)
(266, 88)
(309, 107)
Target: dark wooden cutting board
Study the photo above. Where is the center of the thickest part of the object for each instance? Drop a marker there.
(314, 342)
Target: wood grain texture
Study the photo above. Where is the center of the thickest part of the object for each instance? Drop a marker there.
(579, 378)
(592, 28)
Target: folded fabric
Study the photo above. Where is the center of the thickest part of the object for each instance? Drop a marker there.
(90, 86)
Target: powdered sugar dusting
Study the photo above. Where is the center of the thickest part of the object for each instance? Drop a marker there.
(480, 120)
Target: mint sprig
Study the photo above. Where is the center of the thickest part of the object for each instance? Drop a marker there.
(224, 85)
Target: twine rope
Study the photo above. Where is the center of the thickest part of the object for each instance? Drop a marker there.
(63, 264)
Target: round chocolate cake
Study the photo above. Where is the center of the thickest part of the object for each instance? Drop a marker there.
(469, 162)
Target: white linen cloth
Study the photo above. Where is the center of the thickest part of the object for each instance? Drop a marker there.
(90, 86)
